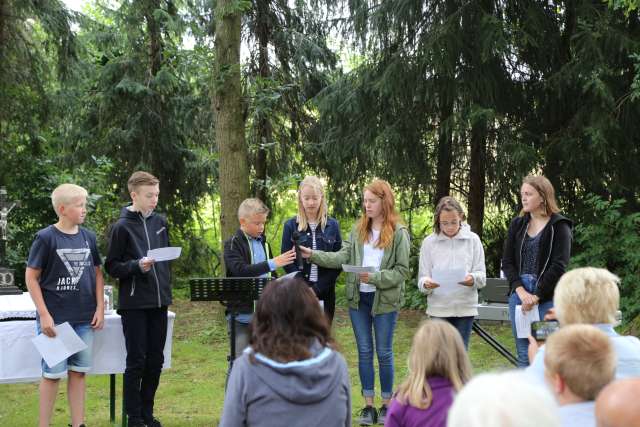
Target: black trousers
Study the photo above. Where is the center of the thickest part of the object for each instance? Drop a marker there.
(145, 333)
(328, 296)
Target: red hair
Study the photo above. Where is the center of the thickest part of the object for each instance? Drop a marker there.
(382, 190)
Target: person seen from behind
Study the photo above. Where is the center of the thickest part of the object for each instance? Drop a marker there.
(438, 368)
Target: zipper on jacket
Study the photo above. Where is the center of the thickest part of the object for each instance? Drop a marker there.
(548, 258)
(133, 286)
(153, 267)
(521, 246)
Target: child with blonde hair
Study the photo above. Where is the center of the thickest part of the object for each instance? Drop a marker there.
(65, 282)
(438, 368)
(314, 229)
(248, 254)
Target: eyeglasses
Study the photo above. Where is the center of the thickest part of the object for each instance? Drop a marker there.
(449, 224)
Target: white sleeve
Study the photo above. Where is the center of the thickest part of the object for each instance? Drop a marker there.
(425, 265)
(478, 269)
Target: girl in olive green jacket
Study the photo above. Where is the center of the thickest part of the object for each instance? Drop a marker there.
(379, 241)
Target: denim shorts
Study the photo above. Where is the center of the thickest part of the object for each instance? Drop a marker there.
(79, 362)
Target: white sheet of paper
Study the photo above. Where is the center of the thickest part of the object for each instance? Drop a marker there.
(164, 254)
(357, 269)
(448, 279)
(524, 319)
(64, 344)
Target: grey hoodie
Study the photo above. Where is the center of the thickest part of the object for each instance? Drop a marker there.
(267, 393)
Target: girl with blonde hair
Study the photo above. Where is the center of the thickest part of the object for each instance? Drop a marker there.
(380, 242)
(438, 368)
(313, 228)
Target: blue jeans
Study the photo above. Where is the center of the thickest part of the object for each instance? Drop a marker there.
(78, 362)
(383, 326)
(522, 344)
(463, 325)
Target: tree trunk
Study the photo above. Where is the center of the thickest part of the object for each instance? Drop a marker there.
(445, 145)
(263, 124)
(155, 39)
(155, 59)
(229, 119)
(477, 175)
(446, 99)
(480, 68)
(4, 14)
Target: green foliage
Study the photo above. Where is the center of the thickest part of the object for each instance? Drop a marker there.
(610, 238)
(627, 6)
(145, 103)
(289, 63)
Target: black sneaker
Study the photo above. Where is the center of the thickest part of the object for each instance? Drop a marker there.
(154, 422)
(368, 416)
(382, 414)
(136, 423)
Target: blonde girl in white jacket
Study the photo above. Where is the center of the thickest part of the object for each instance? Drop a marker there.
(452, 245)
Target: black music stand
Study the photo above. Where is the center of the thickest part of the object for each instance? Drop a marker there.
(230, 292)
(495, 294)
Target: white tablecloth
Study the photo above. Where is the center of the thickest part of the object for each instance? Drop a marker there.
(17, 306)
(20, 361)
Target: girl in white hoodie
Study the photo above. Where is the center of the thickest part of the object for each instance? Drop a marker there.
(452, 245)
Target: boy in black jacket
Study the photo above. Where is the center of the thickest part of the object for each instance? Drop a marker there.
(143, 297)
(247, 254)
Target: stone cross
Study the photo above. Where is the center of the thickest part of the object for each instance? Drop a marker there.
(6, 274)
(5, 208)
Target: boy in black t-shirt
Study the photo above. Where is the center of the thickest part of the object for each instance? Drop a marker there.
(144, 294)
(64, 280)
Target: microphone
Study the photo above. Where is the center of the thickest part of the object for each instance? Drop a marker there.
(295, 238)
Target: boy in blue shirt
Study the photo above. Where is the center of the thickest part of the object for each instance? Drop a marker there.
(247, 254)
(65, 281)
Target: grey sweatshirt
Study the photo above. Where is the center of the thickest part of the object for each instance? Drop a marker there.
(308, 393)
(465, 251)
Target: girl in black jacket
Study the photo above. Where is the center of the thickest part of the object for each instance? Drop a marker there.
(536, 253)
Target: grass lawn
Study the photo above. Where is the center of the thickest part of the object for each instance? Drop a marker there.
(191, 393)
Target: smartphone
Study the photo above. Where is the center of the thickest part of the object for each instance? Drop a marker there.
(540, 330)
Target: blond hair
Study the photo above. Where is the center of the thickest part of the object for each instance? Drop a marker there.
(250, 207)
(587, 295)
(544, 187)
(583, 357)
(381, 189)
(437, 350)
(315, 183)
(140, 178)
(503, 400)
(65, 194)
(449, 204)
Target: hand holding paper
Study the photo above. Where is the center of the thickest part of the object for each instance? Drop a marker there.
(449, 280)
(64, 344)
(524, 319)
(164, 254)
